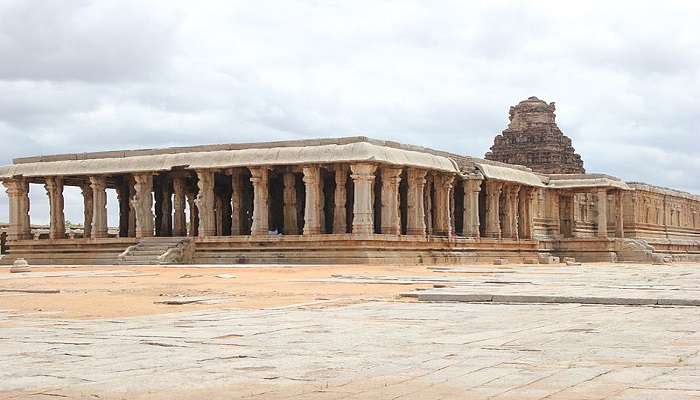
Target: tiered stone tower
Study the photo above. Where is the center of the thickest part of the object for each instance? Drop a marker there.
(534, 140)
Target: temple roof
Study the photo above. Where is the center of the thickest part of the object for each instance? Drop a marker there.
(294, 152)
(228, 156)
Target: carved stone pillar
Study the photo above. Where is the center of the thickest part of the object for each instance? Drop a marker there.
(18, 193)
(218, 214)
(87, 210)
(340, 215)
(205, 203)
(179, 205)
(143, 204)
(312, 207)
(513, 204)
(602, 213)
(391, 217)
(443, 193)
(99, 202)
(260, 177)
(289, 204)
(493, 224)
(132, 211)
(415, 221)
(54, 190)
(428, 204)
(470, 225)
(191, 197)
(166, 211)
(123, 198)
(236, 193)
(363, 210)
(619, 215)
(525, 225)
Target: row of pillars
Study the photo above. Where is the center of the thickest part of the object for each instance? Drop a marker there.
(429, 204)
(508, 209)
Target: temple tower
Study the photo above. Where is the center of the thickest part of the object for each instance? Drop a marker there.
(534, 140)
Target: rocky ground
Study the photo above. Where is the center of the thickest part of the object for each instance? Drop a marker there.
(346, 332)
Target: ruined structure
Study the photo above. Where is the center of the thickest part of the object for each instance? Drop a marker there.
(534, 140)
(347, 200)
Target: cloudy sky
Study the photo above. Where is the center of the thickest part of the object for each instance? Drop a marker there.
(97, 75)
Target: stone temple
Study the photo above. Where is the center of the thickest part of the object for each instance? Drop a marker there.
(534, 140)
(349, 200)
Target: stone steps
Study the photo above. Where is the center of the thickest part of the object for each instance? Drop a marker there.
(148, 250)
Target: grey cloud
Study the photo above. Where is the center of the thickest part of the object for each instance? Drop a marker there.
(83, 40)
(85, 76)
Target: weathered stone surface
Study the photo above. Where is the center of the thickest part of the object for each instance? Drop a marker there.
(534, 140)
(20, 265)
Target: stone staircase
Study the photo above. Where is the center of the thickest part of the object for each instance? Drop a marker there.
(158, 250)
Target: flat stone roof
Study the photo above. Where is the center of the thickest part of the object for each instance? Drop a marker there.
(228, 147)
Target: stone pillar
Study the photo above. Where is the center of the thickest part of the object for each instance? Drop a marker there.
(143, 204)
(340, 215)
(602, 213)
(123, 198)
(179, 205)
(205, 203)
(191, 197)
(18, 193)
(505, 211)
(312, 207)
(260, 177)
(236, 192)
(493, 225)
(218, 214)
(441, 208)
(415, 221)
(289, 204)
(619, 215)
(87, 210)
(166, 211)
(54, 190)
(525, 225)
(132, 211)
(472, 187)
(99, 203)
(428, 204)
(363, 210)
(391, 216)
(513, 203)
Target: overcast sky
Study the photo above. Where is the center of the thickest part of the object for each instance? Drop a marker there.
(99, 75)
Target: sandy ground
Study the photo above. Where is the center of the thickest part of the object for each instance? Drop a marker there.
(91, 296)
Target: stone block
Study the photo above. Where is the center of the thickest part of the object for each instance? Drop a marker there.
(531, 261)
(500, 261)
(548, 259)
(568, 259)
(20, 265)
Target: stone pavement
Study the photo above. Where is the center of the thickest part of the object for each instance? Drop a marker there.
(615, 283)
(370, 350)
